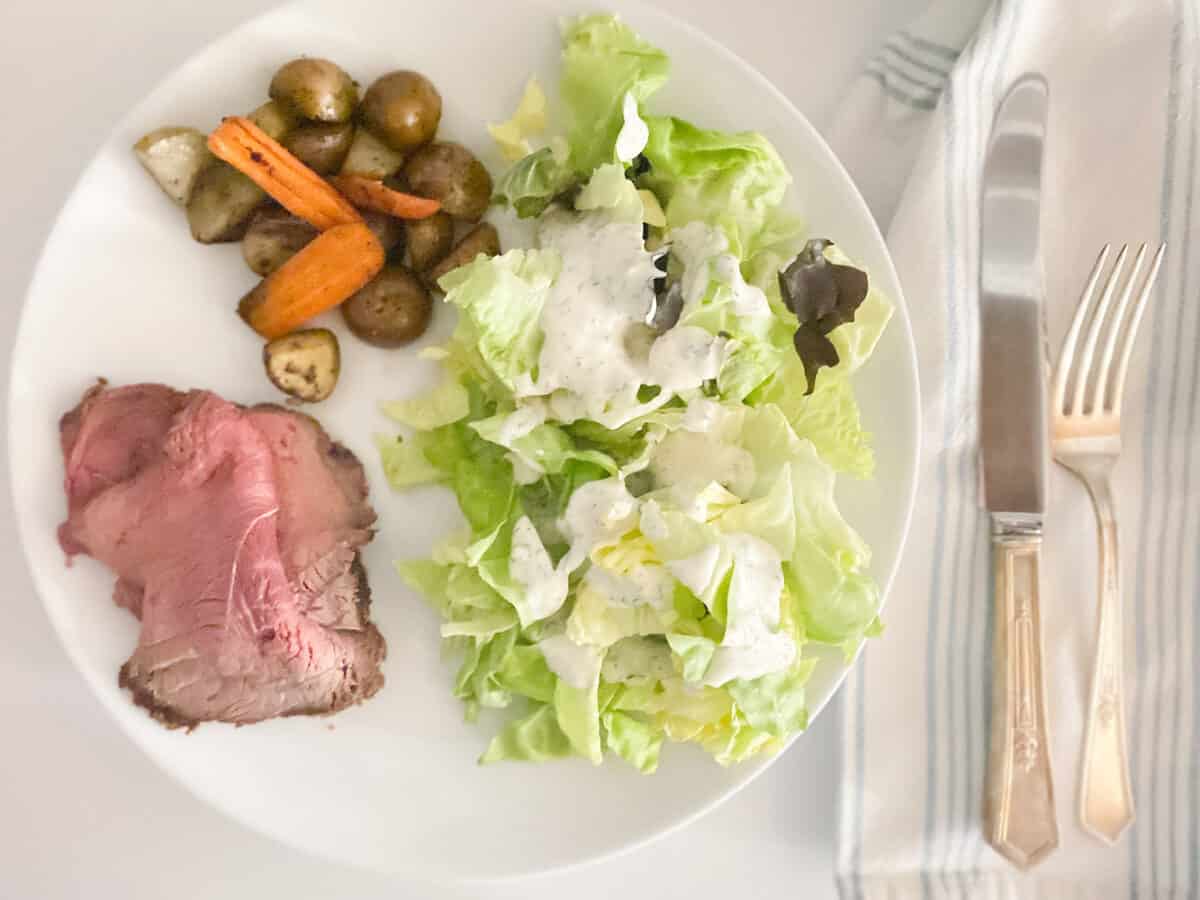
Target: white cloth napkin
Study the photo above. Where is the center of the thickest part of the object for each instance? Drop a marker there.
(1121, 165)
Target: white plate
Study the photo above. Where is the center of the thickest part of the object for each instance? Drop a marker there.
(122, 291)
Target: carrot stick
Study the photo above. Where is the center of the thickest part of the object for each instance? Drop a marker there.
(302, 191)
(334, 265)
(372, 194)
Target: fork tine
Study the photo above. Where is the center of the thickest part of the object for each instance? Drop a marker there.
(1089, 350)
(1131, 333)
(1114, 332)
(1066, 356)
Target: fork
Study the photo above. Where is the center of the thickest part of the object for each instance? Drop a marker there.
(1087, 441)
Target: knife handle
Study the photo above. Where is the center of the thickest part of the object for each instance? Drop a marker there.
(1019, 818)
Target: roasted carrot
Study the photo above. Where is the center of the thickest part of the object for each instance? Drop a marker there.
(368, 193)
(302, 191)
(336, 264)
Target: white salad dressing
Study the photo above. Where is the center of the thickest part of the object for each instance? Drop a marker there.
(597, 350)
(637, 657)
(531, 567)
(703, 251)
(703, 415)
(697, 458)
(696, 572)
(648, 585)
(598, 512)
(652, 523)
(518, 423)
(576, 664)
(634, 133)
(753, 645)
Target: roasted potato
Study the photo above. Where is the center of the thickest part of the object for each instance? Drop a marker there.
(428, 240)
(304, 364)
(221, 204)
(393, 309)
(389, 231)
(483, 238)
(321, 146)
(403, 108)
(174, 157)
(274, 237)
(451, 174)
(275, 119)
(370, 157)
(315, 89)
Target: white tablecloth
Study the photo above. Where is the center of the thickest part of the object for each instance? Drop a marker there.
(82, 812)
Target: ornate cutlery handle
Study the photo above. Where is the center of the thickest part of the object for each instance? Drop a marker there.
(1019, 817)
(1106, 801)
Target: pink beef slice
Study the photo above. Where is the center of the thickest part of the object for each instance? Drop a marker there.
(234, 534)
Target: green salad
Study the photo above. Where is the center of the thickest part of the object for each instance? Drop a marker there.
(642, 417)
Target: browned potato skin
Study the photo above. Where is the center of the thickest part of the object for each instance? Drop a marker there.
(392, 310)
(389, 231)
(429, 240)
(451, 174)
(322, 146)
(304, 364)
(274, 237)
(315, 89)
(483, 238)
(222, 203)
(403, 108)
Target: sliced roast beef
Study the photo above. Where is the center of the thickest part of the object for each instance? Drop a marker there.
(234, 534)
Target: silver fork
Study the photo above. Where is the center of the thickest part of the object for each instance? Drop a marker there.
(1087, 440)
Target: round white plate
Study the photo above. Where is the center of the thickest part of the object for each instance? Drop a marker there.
(123, 292)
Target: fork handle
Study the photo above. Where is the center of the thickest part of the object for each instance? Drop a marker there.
(1106, 800)
(1019, 815)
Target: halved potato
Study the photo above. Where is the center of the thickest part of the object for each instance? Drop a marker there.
(322, 146)
(174, 156)
(429, 240)
(222, 202)
(274, 237)
(304, 364)
(483, 238)
(370, 157)
(275, 119)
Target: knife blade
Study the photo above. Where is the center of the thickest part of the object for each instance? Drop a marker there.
(1013, 422)
(1019, 812)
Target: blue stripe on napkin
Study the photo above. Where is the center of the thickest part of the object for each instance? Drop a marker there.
(1167, 317)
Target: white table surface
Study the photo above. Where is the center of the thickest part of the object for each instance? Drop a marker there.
(82, 811)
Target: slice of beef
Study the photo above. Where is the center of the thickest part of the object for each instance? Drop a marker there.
(235, 535)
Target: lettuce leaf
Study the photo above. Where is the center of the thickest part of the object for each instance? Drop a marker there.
(603, 60)
(734, 181)
(405, 463)
(535, 737)
(529, 118)
(635, 741)
(533, 182)
(446, 403)
(502, 297)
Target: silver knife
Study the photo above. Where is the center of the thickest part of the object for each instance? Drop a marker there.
(1019, 817)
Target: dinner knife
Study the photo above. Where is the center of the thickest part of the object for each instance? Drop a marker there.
(1019, 817)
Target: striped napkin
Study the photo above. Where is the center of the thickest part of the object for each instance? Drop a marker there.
(1121, 165)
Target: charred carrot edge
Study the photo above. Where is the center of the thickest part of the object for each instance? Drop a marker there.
(372, 194)
(333, 266)
(302, 191)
